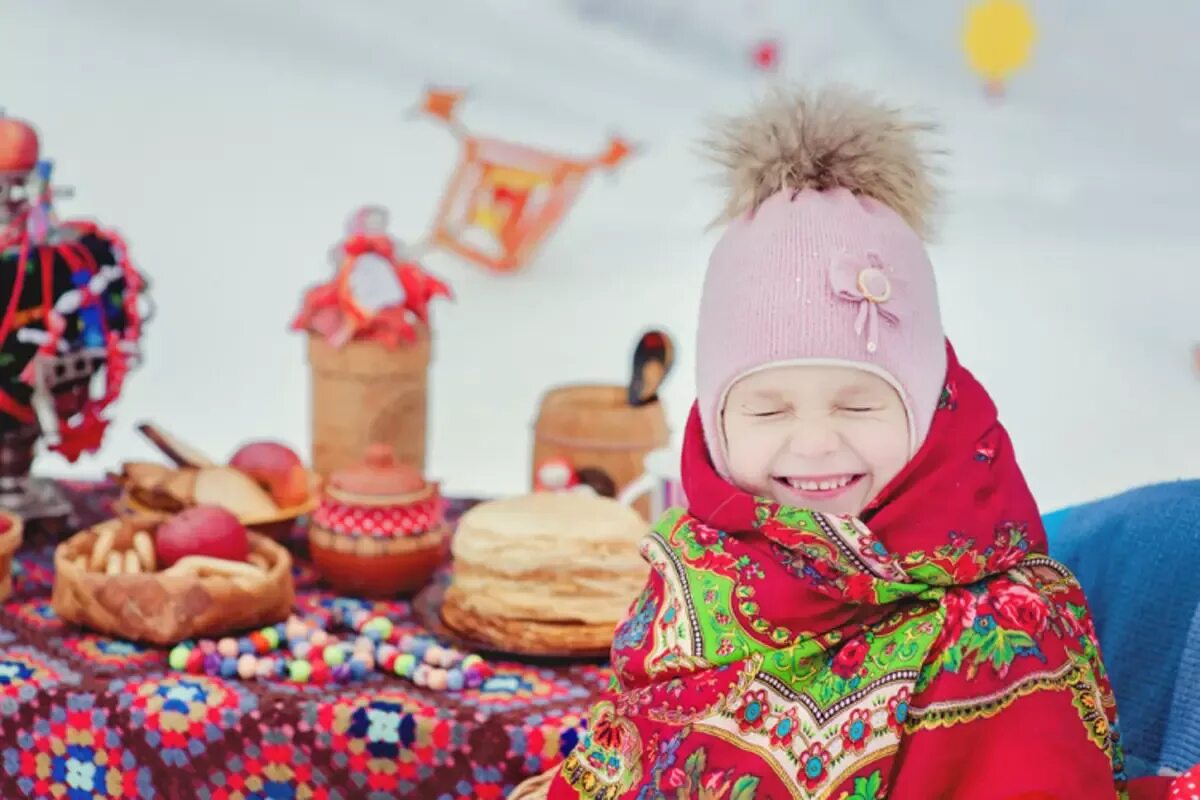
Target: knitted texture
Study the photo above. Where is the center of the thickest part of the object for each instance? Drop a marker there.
(826, 277)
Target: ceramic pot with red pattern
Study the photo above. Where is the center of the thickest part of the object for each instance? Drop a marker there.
(380, 529)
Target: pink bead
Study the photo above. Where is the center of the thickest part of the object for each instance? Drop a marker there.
(264, 667)
(247, 666)
(207, 646)
(433, 655)
(436, 680)
(319, 638)
(228, 647)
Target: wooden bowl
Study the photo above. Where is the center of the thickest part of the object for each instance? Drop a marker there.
(365, 566)
(277, 526)
(169, 606)
(11, 535)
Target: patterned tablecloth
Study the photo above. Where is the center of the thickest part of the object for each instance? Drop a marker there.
(86, 716)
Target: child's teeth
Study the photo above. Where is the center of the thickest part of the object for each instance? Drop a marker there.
(818, 486)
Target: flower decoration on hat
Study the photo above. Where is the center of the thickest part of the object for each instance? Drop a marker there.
(864, 280)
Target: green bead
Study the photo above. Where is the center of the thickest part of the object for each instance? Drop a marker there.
(405, 664)
(272, 636)
(334, 654)
(381, 624)
(179, 657)
(300, 671)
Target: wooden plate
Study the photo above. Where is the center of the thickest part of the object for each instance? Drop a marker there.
(427, 607)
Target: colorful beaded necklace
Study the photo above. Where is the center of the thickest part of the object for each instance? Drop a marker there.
(313, 655)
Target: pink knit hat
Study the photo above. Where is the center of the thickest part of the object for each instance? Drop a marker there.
(822, 261)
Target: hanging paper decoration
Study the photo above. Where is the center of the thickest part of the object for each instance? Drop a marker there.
(766, 55)
(72, 307)
(998, 39)
(377, 292)
(505, 198)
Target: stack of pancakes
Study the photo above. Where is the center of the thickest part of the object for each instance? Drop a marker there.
(545, 574)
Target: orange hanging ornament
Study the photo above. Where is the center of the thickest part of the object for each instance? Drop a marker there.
(504, 199)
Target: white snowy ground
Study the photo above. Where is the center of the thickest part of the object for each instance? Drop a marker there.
(229, 139)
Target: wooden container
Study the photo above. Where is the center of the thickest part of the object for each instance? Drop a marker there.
(169, 606)
(11, 534)
(368, 392)
(380, 530)
(594, 427)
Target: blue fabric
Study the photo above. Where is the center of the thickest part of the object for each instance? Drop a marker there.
(1137, 556)
(1181, 750)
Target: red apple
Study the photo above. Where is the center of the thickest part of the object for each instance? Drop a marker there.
(276, 468)
(201, 531)
(18, 145)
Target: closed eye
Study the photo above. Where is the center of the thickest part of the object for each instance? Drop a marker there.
(859, 409)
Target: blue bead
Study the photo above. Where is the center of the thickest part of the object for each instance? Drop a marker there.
(301, 649)
(245, 646)
(358, 670)
(228, 667)
(454, 680)
(419, 647)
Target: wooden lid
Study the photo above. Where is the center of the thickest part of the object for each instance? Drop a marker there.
(379, 476)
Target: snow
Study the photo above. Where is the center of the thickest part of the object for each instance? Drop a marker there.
(228, 141)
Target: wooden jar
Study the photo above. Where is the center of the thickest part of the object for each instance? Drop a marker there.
(380, 529)
(594, 427)
(366, 392)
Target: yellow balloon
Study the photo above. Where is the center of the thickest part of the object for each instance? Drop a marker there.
(998, 37)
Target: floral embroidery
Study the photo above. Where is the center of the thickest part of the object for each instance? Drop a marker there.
(814, 763)
(857, 730)
(898, 709)
(752, 713)
(784, 728)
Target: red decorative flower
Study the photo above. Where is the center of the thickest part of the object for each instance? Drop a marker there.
(752, 714)
(849, 659)
(857, 730)
(784, 729)
(960, 615)
(674, 778)
(814, 764)
(1020, 606)
(860, 588)
(705, 535)
(898, 710)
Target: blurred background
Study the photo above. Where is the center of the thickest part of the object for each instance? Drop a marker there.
(229, 140)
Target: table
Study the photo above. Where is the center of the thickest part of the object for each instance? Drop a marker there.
(85, 716)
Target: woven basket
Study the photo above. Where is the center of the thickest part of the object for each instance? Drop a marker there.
(11, 528)
(186, 601)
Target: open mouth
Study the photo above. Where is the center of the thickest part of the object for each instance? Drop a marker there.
(819, 486)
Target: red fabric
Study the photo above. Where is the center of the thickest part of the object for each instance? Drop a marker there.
(960, 532)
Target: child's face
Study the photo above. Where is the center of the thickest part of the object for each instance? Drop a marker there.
(818, 437)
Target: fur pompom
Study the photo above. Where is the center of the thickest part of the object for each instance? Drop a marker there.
(837, 137)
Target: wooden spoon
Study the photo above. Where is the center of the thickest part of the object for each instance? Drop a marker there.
(652, 360)
(182, 453)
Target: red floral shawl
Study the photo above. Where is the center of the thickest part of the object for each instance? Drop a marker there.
(927, 650)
